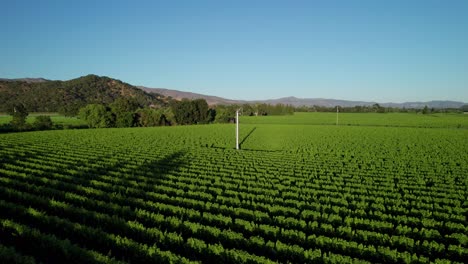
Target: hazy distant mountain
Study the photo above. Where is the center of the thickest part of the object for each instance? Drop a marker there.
(28, 80)
(214, 100)
(430, 104)
(316, 101)
(179, 95)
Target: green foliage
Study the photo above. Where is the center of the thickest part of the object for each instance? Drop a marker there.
(56, 122)
(425, 110)
(10, 255)
(70, 109)
(97, 116)
(225, 114)
(124, 105)
(184, 112)
(43, 122)
(123, 109)
(19, 113)
(294, 193)
(148, 117)
(200, 110)
(211, 115)
(378, 109)
(67, 97)
(188, 112)
(126, 119)
(126, 113)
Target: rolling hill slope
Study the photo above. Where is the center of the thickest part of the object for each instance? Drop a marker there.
(40, 95)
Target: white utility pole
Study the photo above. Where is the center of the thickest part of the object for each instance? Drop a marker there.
(237, 129)
(336, 115)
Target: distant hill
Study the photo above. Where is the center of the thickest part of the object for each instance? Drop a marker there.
(316, 101)
(294, 101)
(41, 95)
(28, 80)
(179, 95)
(430, 104)
(345, 103)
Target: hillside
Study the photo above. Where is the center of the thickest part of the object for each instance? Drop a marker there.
(40, 95)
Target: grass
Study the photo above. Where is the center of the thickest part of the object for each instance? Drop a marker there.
(57, 119)
(298, 191)
(365, 119)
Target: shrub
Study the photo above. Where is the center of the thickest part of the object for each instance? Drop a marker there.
(43, 123)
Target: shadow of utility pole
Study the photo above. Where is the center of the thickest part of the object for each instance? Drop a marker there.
(246, 137)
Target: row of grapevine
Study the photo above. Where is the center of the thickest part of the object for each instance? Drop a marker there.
(180, 195)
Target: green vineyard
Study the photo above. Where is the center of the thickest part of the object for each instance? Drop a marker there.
(296, 192)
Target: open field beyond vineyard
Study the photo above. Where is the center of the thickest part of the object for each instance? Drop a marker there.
(56, 118)
(300, 190)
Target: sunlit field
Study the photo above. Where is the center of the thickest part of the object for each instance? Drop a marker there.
(377, 188)
(56, 118)
(443, 120)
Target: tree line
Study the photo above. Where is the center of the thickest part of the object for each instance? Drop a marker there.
(126, 112)
(376, 108)
(133, 112)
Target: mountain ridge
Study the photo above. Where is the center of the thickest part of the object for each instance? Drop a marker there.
(298, 102)
(27, 79)
(42, 86)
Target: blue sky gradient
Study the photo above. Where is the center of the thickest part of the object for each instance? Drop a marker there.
(383, 51)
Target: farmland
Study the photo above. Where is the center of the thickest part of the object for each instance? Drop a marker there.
(442, 120)
(300, 190)
(55, 117)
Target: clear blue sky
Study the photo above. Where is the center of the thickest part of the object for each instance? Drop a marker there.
(356, 50)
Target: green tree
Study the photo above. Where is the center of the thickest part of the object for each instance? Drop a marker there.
(19, 113)
(248, 110)
(188, 112)
(211, 115)
(225, 114)
(148, 117)
(71, 109)
(377, 108)
(43, 122)
(183, 112)
(262, 109)
(125, 119)
(425, 110)
(200, 107)
(124, 111)
(97, 116)
(169, 115)
(122, 105)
